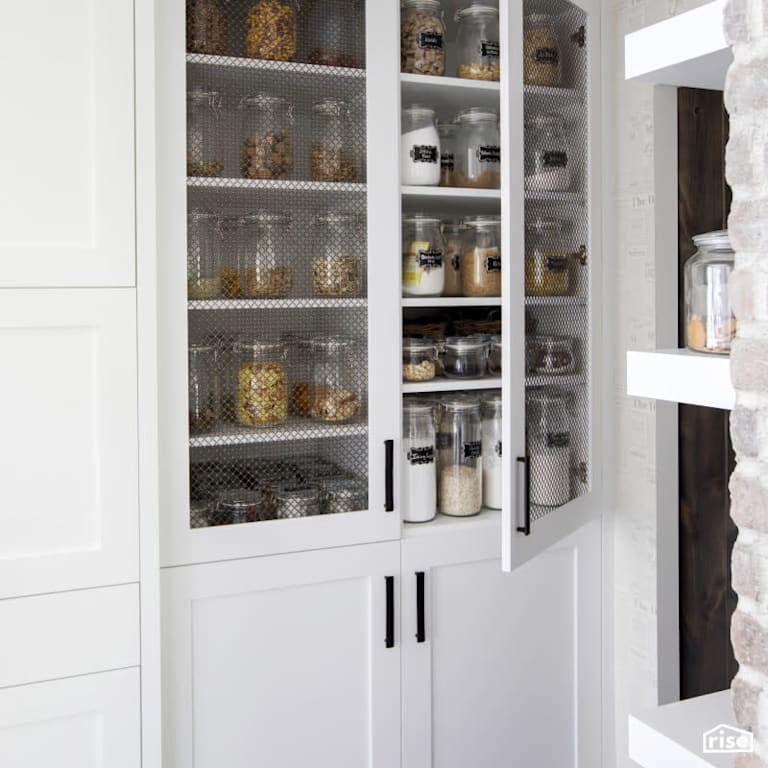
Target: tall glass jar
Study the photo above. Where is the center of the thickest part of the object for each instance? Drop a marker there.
(422, 37)
(453, 235)
(265, 255)
(547, 263)
(419, 146)
(547, 156)
(423, 247)
(481, 259)
(492, 468)
(337, 264)
(460, 451)
(206, 27)
(478, 42)
(205, 151)
(231, 231)
(336, 378)
(549, 446)
(203, 256)
(334, 33)
(300, 366)
(332, 153)
(267, 131)
(270, 30)
(541, 51)
(447, 134)
(203, 389)
(227, 366)
(710, 323)
(478, 149)
(261, 395)
(419, 483)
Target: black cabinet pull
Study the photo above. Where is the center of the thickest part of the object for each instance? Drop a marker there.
(526, 527)
(389, 640)
(389, 495)
(421, 632)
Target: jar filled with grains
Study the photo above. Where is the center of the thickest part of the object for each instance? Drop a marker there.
(481, 258)
(267, 124)
(261, 397)
(270, 30)
(419, 478)
(423, 267)
(332, 152)
(478, 42)
(205, 153)
(336, 376)
(203, 256)
(264, 258)
(447, 135)
(478, 149)
(206, 27)
(418, 359)
(337, 265)
(459, 444)
(541, 51)
(547, 267)
(453, 234)
(422, 37)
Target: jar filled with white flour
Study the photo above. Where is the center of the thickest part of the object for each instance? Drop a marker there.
(419, 479)
(423, 256)
(419, 147)
(460, 458)
(491, 410)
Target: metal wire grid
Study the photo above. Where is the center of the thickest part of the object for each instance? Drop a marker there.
(562, 315)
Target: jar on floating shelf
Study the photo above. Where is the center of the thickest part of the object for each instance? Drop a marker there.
(419, 356)
(267, 135)
(460, 450)
(422, 37)
(478, 149)
(478, 42)
(466, 357)
(423, 267)
(419, 479)
(205, 153)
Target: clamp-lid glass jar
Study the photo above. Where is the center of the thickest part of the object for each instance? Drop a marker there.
(339, 245)
(333, 33)
(202, 388)
(343, 494)
(205, 151)
(422, 37)
(541, 51)
(551, 355)
(261, 395)
(239, 505)
(547, 264)
(547, 155)
(478, 42)
(481, 258)
(466, 357)
(206, 27)
(419, 146)
(270, 30)
(265, 268)
(230, 228)
(478, 149)
(419, 479)
(423, 247)
(453, 235)
(710, 323)
(419, 357)
(460, 450)
(267, 123)
(494, 356)
(203, 255)
(294, 501)
(336, 378)
(332, 152)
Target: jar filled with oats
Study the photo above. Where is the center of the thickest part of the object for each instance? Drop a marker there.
(205, 153)
(206, 27)
(336, 377)
(270, 30)
(265, 255)
(541, 51)
(337, 263)
(203, 253)
(422, 37)
(332, 153)
(478, 42)
(267, 131)
(261, 395)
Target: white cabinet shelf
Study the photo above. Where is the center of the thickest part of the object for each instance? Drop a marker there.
(444, 93)
(452, 385)
(292, 185)
(488, 518)
(451, 193)
(293, 428)
(287, 303)
(681, 376)
(274, 67)
(453, 301)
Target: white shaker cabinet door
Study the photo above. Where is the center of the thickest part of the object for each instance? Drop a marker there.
(68, 445)
(67, 202)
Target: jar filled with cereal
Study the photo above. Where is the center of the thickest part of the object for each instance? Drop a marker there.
(267, 132)
(541, 51)
(203, 256)
(339, 246)
(205, 152)
(336, 377)
(478, 42)
(332, 152)
(261, 397)
(265, 255)
(422, 37)
(206, 27)
(270, 30)
(481, 258)
(478, 149)
(547, 267)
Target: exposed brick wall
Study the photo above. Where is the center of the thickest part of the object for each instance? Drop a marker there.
(746, 97)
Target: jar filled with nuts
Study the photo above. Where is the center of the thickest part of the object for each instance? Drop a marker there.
(336, 377)
(334, 33)
(332, 152)
(419, 357)
(270, 30)
(481, 259)
(267, 123)
(541, 51)
(422, 37)
(478, 149)
(478, 42)
(205, 153)
(261, 397)
(264, 256)
(206, 27)
(203, 256)
(337, 264)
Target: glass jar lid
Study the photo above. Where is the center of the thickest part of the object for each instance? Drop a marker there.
(544, 226)
(460, 404)
(196, 347)
(417, 406)
(266, 218)
(341, 217)
(200, 216)
(238, 498)
(203, 96)
(412, 344)
(330, 106)
(477, 115)
(718, 240)
(495, 340)
(344, 488)
(420, 218)
(331, 343)
(453, 227)
(302, 494)
(480, 222)
(465, 343)
(492, 402)
(263, 101)
(479, 9)
(422, 5)
(419, 110)
(259, 346)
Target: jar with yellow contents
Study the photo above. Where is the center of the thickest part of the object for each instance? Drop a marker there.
(261, 397)
(547, 262)
(423, 246)
(270, 30)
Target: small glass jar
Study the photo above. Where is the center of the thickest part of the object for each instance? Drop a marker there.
(339, 244)
(419, 357)
(294, 501)
(481, 259)
(492, 468)
(447, 134)
(547, 265)
(478, 149)
(336, 378)
(239, 505)
(465, 357)
(547, 154)
(267, 131)
(203, 388)
(205, 153)
(203, 256)
(206, 27)
(549, 446)
(334, 33)
(419, 478)
(265, 251)
(551, 355)
(419, 147)
(201, 513)
(541, 51)
(460, 452)
(270, 30)
(342, 494)
(261, 397)
(710, 323)
(422, 37)
(494, 356)
(478, 42)
(332, 154)
(423, 248)
(453, 235)
(231, 232)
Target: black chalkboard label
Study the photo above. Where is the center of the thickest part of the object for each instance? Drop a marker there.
(424, 153)
(473, 450)
(425, 455)
(493, 264)
(498, 449)
(558, 439)
(430, 40)
(554, 159)
(546, 55)
(557, 263)
(489, 48)
(489, 154)
(447, 162)
(428, 260)
(456, 262)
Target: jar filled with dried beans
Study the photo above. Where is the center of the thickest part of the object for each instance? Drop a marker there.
(541, 51)
(267, 123)
(339, 245)
(206, 27)
(332, 154)
(422, 37)
(270, 30)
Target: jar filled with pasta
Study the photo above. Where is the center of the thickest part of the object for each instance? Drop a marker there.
(270, 30)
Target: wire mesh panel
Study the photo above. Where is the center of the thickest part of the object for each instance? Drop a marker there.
(556, 259)
(276, 260)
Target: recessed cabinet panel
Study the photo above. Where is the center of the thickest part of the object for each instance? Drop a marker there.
(69, 498)
(68, 137)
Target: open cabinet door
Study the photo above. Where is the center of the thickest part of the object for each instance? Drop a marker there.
(551, 109)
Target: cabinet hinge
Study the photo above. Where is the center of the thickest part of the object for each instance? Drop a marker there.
(582, 472)
(580, 36)
(581, 255)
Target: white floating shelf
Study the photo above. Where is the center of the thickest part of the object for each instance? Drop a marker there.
(488, 518)
(681, 376)
(451, 385)
(448, 95)
(688, 50)
(287, 67)
(294, 428)
(213, 305)
(453, 301)
(452, 193)
(555, 301)
(221, 183)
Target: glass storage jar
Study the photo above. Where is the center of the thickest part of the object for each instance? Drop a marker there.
(710, 323)
(230, 229)
(300, 366)
(541, 51)
(418, 359)
(201, 513)
(261, 395)
(549, 446)
(494, 356)
(227, 373)
(267, 131)
(466, 357)
(547, 267)
(447, 134)
(334, 33)
(460, 461)
(205, 151)
(478, 149)
(548, 156)
(492, 469)
(481, 259)
(270, 30)
(239, 505)
(453, 235)
(203, 388)
(203, 256)
(419, 483)
(332, 152)
(478, 42)
(206, 27)
(265, 251)
(336, 377)
(423, 247)
(422, 37)
(551, 355)
(337, 264)
(419, 146)
(342, 494)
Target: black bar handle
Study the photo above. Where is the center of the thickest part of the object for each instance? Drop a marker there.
(421, 632)
(389, 639)
(526, 527)
(389, 458)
